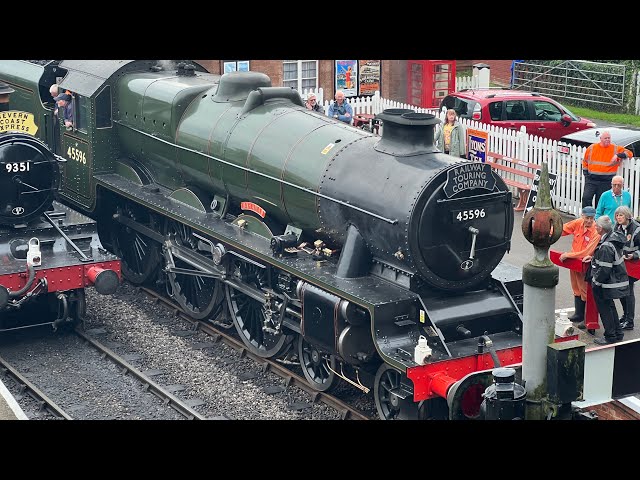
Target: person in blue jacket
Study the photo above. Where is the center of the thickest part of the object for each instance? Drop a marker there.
(612, 199)
(340, 109)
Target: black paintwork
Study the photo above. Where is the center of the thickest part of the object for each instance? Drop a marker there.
(56, 252)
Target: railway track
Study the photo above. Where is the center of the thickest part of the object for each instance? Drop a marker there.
(218, 334)
(26, 387)
(149, 385)
(47, 403)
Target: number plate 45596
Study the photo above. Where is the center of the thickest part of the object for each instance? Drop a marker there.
(466, 215)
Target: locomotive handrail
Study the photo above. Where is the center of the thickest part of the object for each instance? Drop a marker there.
(64, 235)
(36, 191)
(279, 180)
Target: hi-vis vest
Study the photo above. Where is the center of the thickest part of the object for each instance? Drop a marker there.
(604, 167)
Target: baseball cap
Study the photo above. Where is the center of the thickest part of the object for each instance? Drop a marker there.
(63, 96)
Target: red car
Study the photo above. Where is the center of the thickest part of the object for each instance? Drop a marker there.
(512, 109)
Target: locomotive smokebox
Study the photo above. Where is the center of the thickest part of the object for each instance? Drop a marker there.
(30, 178)
(406, 133)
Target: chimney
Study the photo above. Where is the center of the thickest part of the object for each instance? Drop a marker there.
(406, 133)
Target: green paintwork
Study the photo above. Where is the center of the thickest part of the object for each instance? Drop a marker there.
(253, 225)
(127, 172)
(78, 166)
(25, 78)
(187, 197)
(153, 103)
(283, 143)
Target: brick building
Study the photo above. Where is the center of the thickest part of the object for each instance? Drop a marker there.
(320, 74)
(500, 69)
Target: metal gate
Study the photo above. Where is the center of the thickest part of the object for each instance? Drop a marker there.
(580, 81)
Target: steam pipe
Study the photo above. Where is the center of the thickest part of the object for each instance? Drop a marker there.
(62, 298)
(28, 285)
(441, 383)
(488, 343)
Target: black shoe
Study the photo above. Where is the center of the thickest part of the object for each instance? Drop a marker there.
(626, 325)
(581, 326)
(592, 331)
(603, 341)
(619, 338)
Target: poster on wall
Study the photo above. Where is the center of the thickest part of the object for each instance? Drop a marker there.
(368, 77)
(347, 77)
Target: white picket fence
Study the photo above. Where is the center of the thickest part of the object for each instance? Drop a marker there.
(567, 196)
(375, 104)
(467, 82)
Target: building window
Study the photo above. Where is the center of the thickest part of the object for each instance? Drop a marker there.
(235, 66)
(300, 74)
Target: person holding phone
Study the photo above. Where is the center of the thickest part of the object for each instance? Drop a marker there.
(312, 103)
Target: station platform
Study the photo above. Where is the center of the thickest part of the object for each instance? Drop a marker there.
(9, 408)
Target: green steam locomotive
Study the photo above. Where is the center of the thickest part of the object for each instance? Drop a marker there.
(373, 259)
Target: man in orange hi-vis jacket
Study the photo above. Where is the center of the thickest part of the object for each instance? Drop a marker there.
(599, 165)
(585, 241)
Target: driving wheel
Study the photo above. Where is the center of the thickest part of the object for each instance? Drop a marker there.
(248, 315)
(139, 255)
(317, 368)
(198, 295)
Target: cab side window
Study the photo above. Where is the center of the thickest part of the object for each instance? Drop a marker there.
(81, 108)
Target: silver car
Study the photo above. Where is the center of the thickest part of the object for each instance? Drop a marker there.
(624, 137)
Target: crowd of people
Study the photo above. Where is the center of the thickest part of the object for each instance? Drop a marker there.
(604, 237)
